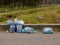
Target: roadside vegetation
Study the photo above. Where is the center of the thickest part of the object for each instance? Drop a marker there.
(38, 15)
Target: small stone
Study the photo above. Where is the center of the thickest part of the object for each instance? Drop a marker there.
(40, 17)
(7, 31)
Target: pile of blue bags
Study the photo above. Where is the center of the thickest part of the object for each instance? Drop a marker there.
(17, 26)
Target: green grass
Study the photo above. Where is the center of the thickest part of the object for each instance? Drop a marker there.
(2, 19)
(51, 14)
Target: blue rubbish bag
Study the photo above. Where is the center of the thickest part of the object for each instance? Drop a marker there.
(47, 30)
(10, 22)
(19, 28)
(28, 30)
(12, 28)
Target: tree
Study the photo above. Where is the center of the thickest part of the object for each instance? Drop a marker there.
(27, 2)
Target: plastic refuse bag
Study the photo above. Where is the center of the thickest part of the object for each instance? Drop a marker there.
(15, 21)
(10, 22)
(19, 28)
(18, 22)
(28, 30)
(12, 28)
(47, 30)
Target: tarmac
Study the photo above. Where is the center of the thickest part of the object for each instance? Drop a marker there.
(37, 38)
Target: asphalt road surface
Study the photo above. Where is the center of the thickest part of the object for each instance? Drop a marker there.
(38, 38)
